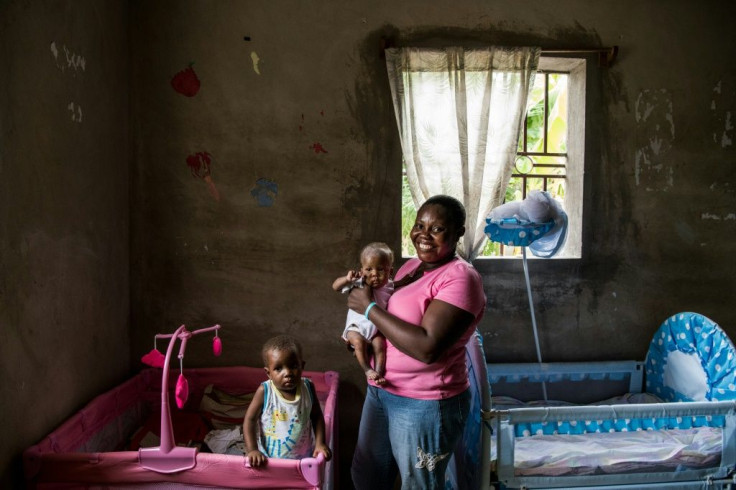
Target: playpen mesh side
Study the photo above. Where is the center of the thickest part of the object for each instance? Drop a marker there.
(106, 422)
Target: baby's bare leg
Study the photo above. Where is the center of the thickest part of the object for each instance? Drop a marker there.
(360, 345)
(379, 356)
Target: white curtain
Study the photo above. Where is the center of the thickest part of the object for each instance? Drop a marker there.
(459, 112)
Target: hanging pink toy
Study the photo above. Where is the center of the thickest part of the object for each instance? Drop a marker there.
(154, 358)
(216, 345)
(168, 458)
(181, 393)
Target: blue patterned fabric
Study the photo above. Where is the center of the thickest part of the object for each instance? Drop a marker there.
(515, 232)
(552, 378)
(525, 429)
(537, 222)
(691, 358)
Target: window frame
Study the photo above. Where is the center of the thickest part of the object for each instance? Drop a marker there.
(575, 165)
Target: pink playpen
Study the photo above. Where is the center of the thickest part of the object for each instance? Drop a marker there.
(116, 440)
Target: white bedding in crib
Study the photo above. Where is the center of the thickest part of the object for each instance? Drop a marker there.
(611, 452)
(616, 452)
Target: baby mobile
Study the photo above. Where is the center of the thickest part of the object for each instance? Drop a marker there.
(169, 458)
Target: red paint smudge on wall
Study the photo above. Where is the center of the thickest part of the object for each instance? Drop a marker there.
(310, 136)
(317, 147)
(199, 163)
(186, 82)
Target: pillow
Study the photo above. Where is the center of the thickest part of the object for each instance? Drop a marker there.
(536, 207)
(691, 358)
(537, 222)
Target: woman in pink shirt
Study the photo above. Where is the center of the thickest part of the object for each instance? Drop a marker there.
(411, 423)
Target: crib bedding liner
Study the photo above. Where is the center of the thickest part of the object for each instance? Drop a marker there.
(636, 458)
(594, 446)
(618, 452)
(97, 445)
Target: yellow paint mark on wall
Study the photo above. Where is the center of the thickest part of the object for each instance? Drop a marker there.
(256, 60)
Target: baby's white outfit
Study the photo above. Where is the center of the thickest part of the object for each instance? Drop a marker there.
(358, 322)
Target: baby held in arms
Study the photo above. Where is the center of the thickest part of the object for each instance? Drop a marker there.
(376, 268)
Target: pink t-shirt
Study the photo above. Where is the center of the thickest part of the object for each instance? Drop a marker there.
(456, 283)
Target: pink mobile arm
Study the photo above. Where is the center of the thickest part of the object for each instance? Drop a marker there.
(167, 458)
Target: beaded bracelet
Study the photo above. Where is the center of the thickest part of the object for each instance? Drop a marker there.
(369, 309)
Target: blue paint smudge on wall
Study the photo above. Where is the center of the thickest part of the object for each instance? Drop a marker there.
(264, 192)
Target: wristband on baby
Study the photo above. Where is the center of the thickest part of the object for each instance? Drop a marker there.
(367, 310)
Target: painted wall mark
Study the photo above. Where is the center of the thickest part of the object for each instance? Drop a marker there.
(724, 187)
(254, 57)
(717, 217)
(186, 82)
(73, 63)
(656, 133)
(316, 146)
(70, 60)
(724, 137)
(76, 111)
(264, 192)
(199, 164)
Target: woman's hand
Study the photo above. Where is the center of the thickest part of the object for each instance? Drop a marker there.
(360, 298)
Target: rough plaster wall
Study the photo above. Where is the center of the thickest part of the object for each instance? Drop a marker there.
(64, 219)
(659, 182)
(659, 193)
(301, 183)
(659, 173)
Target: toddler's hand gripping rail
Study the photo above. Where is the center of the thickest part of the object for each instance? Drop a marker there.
(168, 458)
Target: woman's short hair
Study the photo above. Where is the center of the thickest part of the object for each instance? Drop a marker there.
(454, 207)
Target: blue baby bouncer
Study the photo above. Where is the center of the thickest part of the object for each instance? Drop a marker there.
(539, 223)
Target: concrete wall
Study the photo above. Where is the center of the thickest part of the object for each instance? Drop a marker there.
(294, 115)
(64, 220)
(659, 179)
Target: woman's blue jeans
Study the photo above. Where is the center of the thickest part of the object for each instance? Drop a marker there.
(414, 438)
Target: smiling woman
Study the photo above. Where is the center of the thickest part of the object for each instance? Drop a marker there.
(437, 302)
(436, 231)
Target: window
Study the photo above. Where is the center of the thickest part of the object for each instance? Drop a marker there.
(550, 153)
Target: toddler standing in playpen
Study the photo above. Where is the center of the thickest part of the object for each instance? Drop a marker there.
(284, 420)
